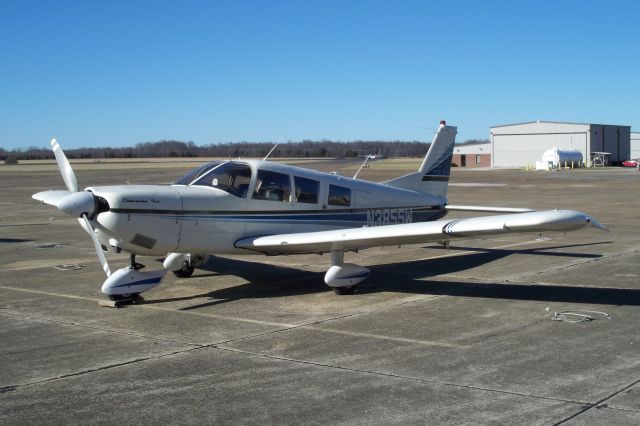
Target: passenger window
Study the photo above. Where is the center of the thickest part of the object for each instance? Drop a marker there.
(233, 178)
(306, 190)
(272, 186)
(339, 196)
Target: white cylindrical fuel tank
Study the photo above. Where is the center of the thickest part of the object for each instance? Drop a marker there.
(561, 157)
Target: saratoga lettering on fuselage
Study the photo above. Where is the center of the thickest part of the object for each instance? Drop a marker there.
(379, 217)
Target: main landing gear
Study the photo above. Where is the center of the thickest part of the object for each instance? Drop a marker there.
(189, 264)
(344, 277)
(185, 271)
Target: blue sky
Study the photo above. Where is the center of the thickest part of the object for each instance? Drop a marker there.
(117, 73)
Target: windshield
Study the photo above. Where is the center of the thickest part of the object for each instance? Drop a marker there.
(233, 178)
(196, 173)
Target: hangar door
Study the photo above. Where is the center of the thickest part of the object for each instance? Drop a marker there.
(523, 149)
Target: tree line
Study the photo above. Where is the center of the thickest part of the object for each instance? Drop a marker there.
(178, 149)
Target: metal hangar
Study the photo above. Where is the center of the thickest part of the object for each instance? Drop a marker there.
(522, 144)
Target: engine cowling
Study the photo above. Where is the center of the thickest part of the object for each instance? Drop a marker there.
(345, 275)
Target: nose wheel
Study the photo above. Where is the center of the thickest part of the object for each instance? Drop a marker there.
(343, 291)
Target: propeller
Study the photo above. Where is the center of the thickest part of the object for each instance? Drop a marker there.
(78, 204)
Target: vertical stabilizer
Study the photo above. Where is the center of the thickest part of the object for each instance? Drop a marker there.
(433, 176)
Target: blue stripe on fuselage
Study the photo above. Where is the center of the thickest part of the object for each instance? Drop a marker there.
(354, 219)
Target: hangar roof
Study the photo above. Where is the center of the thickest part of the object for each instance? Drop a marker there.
(557, 122)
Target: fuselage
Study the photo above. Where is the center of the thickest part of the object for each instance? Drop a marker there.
(218, 204)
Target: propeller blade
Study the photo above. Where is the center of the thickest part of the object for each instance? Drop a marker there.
(594, 222)
(65, 168)
(82, 223)
(96, 244)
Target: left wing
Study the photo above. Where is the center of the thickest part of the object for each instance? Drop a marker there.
(411, 233)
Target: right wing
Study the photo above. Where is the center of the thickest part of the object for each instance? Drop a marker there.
(412, 233)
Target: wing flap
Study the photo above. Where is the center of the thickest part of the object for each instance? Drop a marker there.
(487, 209)
(411, 233)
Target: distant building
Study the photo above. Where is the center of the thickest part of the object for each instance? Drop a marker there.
(472, 155)
(518, 145)
(635, 146)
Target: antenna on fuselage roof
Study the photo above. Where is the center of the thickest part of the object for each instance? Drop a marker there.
(274, 147)
(365, 162)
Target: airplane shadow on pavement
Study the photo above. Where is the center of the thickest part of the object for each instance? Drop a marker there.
(269, 281)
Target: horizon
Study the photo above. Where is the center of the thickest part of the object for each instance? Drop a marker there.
(119, 73)
(48, 147)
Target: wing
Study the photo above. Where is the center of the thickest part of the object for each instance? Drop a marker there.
(410, 233)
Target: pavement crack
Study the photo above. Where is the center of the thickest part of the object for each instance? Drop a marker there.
(599, 403)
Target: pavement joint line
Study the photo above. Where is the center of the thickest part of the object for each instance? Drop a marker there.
(286, 327)
(390, 338)
(395, 376)
(87, 260)
(224, 317)
(94, 327)
(5, 225)
(313, 326)
(47, 293)
(618, 408)
(266, 333)
(598, 403)
(571, 265)
(94, 370)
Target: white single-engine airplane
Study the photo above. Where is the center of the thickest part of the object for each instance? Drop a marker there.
(250, 206)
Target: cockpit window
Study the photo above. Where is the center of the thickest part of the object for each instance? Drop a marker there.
(233, 178)
(272, 186)
(196, 173)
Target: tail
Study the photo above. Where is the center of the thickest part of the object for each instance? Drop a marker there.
(433, 176)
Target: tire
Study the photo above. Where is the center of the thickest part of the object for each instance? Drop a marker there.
(185, 272)
(342, 291)
(126, 296)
